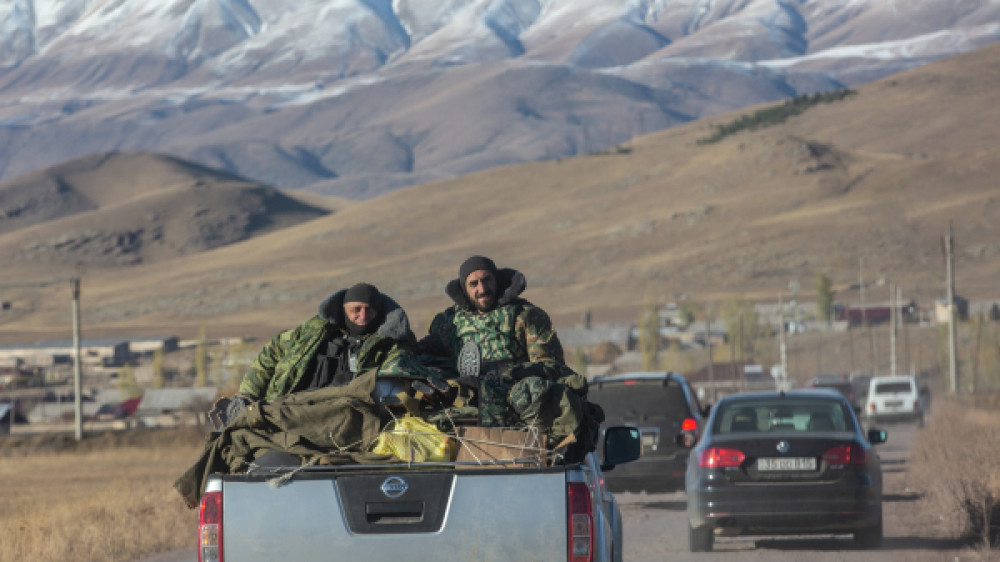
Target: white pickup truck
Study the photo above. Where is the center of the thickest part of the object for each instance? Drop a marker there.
(510, 510)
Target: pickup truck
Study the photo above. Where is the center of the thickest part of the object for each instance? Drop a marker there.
(411, 512)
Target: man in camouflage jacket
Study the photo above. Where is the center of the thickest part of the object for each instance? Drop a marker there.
(330, 349)
(520, 352)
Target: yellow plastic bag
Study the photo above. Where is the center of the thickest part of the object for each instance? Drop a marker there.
(414, 440)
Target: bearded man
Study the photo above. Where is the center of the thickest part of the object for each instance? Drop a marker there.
(495, 335)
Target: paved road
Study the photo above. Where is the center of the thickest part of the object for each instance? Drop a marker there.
(655, 526)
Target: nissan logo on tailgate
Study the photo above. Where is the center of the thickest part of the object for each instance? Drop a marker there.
(394, 487)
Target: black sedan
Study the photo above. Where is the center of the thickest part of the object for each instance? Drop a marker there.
(784, 463)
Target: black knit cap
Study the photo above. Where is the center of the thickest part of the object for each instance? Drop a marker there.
(475, 263)
(363, 292)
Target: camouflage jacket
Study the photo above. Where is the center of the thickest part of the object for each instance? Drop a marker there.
(281, 364)
(515, 331)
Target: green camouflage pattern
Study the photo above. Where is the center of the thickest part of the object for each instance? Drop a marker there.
(494, 409)
(558, 412)
(517, 341)
(282, 363)
(551, 407)
(518, 332)
(515, 332)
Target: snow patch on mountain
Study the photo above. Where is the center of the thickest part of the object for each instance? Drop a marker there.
(930, 45)
(17, 37)
(313, 90)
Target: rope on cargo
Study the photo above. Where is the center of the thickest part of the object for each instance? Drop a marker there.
(279, 481)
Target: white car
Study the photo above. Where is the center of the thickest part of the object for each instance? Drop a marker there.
(894, 399)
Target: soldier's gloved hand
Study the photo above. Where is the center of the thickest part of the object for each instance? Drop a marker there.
(225, 409)
(237, 404)
(218, 413)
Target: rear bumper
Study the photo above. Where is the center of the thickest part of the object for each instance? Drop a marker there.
(792, 523)
(894, 417)
(786, 509)
(654, 474)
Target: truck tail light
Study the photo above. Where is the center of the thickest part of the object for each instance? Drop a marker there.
(210, 528)
(720, 457)
(845, 455)
(581, 523)
(689, 425)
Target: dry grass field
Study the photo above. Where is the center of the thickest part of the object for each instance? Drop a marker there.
(107, 498)
(955, 461)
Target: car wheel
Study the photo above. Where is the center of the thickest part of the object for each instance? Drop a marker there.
(700, 540)
(869, 538)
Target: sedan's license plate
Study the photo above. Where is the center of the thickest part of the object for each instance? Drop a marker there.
(789, 463)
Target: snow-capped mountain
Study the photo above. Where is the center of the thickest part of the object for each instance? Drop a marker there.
(361, 96)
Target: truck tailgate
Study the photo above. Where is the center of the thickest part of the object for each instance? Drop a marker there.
(402, 516)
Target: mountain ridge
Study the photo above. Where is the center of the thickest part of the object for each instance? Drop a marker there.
(220, 82)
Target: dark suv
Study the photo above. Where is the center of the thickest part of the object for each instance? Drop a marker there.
(842, 385)
(662, 405)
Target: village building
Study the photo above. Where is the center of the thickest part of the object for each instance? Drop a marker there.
(941, 309)
(149, 345)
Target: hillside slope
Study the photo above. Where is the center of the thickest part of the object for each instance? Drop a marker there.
(869, 182)
(128, 208)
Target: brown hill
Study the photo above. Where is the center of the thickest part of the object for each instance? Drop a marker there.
(872, 180)
(128, 208)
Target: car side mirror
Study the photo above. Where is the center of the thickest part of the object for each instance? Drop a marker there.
(877, 436)
(622, 444)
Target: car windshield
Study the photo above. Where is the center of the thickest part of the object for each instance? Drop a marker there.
(892, 387)
(786, 415)
(641, 398)
(841, 387)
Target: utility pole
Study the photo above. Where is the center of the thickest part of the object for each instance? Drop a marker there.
(949, 246)
(850, 343)
(77, 384)
(893, 318)
(819, 356)
(708, 346)
(781, 341)
(864, 318)
(732, 356)
(906, 334)
(743, 345)
(975, 353)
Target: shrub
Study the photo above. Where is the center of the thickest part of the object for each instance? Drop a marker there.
(775, 114)
(954, 460)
